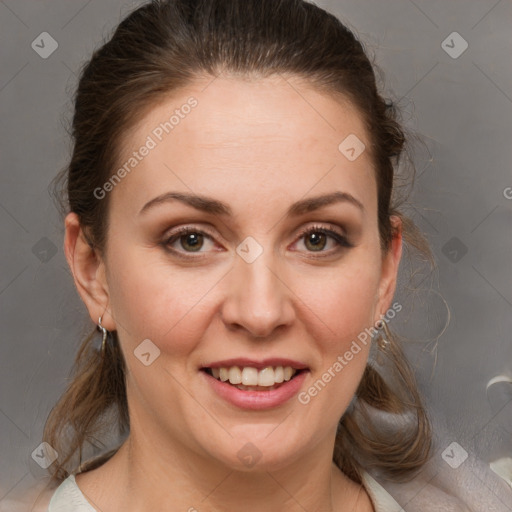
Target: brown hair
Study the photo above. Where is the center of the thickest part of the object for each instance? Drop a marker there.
(162, 46)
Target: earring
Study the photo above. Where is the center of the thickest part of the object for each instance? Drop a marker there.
(105, 336)
(383, 342)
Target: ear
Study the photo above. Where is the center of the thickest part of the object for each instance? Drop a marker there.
(88, 270)
(389, 269)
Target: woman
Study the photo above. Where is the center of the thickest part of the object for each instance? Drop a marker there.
(234, 231)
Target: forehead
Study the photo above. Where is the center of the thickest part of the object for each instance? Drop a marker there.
(270, 135)
(251, 111)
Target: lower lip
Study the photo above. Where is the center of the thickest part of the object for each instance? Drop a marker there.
(257, 399)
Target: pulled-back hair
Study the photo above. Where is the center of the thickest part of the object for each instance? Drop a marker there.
(165, 45)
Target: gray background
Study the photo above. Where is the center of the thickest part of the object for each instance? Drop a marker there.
(461, 107)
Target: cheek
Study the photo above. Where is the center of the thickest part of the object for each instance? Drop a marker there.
(153, 300)
(344, 307)
(344, 302)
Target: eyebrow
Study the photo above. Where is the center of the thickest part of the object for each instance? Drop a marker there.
(213, 206)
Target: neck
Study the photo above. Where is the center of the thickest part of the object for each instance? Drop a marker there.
(151, 477)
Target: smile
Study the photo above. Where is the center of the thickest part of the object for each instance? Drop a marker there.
(251, 379)
(240, 385)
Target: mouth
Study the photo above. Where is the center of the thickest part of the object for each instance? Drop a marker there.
(247, 378)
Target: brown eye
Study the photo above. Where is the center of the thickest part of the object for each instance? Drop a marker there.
(193, 240)
(316, 239)
(190, 240)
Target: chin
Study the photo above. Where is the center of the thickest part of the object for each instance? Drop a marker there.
(258, 453)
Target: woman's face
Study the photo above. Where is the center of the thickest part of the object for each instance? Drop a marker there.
(245, 287)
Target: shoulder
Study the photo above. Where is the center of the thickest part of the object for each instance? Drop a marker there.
(381, 499)
(34, 497)
(440, 488)
(64, 497)
(69, 498)
(412, 496)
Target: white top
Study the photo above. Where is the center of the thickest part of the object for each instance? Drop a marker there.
(69, 498)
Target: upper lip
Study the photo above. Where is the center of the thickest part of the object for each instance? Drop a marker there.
(259, 365)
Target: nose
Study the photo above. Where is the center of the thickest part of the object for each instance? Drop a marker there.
(258, 299)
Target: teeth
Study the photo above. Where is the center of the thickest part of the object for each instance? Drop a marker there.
(235, 375)
(266, 377)
(248, 376)
(288, 372)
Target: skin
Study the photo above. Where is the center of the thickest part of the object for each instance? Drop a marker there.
(258, 146)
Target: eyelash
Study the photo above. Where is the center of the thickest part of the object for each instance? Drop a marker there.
(340, 240)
